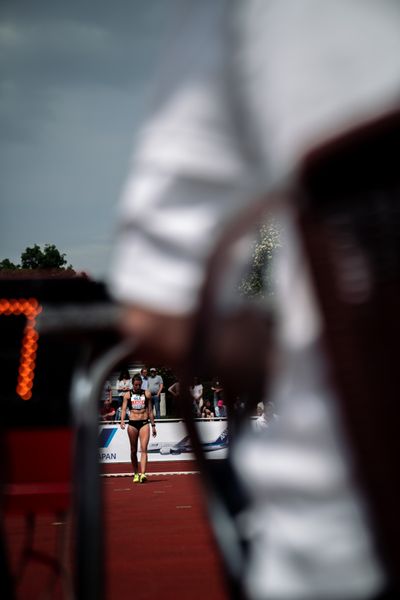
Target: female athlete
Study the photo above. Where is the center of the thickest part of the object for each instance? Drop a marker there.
(141, 415)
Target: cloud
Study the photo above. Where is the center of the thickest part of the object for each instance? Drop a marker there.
(52, 49)
(75, 78)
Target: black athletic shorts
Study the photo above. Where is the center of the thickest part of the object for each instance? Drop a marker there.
(139, 423)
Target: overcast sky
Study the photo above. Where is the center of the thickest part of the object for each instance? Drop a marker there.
(75, 79)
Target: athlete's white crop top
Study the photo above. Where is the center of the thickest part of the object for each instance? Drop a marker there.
(138, 400)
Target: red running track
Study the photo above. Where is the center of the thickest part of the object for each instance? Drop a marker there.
(157, 539)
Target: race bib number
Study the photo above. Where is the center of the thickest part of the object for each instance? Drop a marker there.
(138, 401)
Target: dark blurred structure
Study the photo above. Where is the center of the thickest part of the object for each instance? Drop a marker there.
(53, 331)
(346, 198)
(350, 220)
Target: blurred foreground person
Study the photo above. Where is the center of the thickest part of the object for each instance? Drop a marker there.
(250, 88)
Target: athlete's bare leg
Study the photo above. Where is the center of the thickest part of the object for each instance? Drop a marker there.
(133, 439)
(144, 434)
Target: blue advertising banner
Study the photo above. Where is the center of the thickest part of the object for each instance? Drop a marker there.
(171, 443)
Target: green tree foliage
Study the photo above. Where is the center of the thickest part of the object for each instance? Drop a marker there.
(7, 265)
(258, 282)
(48, 258)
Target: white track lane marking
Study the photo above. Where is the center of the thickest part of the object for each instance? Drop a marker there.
(151, 474)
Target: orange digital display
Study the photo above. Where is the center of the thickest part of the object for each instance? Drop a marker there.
(30, 308)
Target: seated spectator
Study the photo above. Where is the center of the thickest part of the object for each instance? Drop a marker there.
(267, 416)
(260, 409)
(220, 408)
(107, 410)
(206, 411)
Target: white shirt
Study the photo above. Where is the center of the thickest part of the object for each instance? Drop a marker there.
(122, 384)
(248, 91)
(196, 391)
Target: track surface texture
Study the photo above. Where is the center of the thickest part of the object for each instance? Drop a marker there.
(158, 542)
